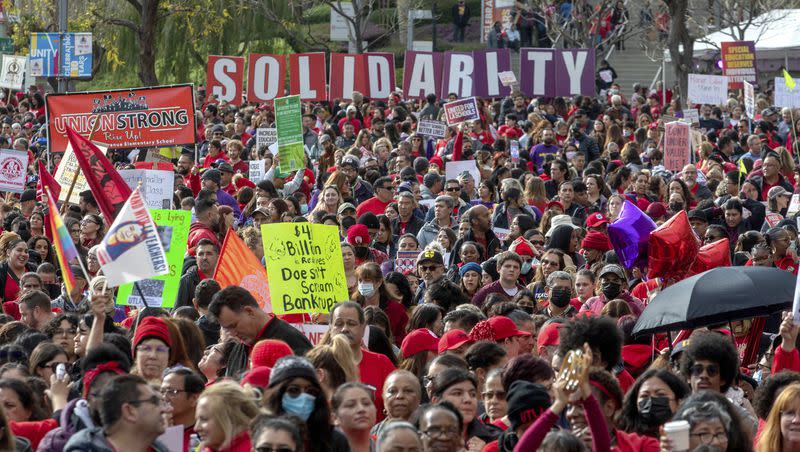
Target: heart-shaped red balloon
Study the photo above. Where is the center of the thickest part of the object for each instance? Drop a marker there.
(673, 248)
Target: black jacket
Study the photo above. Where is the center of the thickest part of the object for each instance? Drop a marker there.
(186, 286)
(413, 227)
(493, 246)
(239, 358)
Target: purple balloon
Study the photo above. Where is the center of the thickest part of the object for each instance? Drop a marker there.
(630, 234)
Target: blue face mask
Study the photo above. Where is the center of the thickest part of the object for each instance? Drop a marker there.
(304, 208)
(526, 267)
(301, 406)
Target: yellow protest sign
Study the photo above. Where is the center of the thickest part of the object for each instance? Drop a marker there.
(304, 266)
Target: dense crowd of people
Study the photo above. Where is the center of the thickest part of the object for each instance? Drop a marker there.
(485, 313)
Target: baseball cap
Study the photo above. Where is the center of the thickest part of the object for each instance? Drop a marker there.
(212, 174)
(615, 269)
(419, 340)
(504, 328)
(219, 128)
(776, 191)
(548, 335)
(430, 255)
(452, 340)
(555, 204)
(225, 167)
(697, 214)
(350, 160)
(596, 220)
(345, 206)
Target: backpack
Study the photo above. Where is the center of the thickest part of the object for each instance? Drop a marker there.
(74, 418)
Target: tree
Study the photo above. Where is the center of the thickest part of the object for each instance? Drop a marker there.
(680, 43)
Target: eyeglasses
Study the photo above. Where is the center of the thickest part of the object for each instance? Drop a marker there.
(85, 222)
(708, 438)
(268, 448)
(698, 369)
(155, 400)
(790, 414)
(171, 392)
(54, 366)
(492, 394)
(440, 432)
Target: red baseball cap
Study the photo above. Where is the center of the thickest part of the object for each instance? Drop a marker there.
(595, 220)
(504, 328)
(548, 335)
(554, 204)
(419, 340)
(452, 340)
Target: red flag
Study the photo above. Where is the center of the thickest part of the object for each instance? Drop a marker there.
(238, 266)
(45, 179)
(109, 189)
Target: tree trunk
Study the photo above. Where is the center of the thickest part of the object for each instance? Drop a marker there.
(147, 42)
(682, 61)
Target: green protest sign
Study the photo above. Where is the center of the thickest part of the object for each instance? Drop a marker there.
(288, 121)
(173, 228)
(6, 46)
(305, 267)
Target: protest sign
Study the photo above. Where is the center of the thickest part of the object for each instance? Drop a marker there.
(708, 89)
(266, 77)
(289, 132)
(141, 117)
(12, 75)
(371, 74)
(488, 64)
(794, 206)
(162, 291)
(461, 110)
(507, 78)
(784, 96)
(676, 145)
(265, 136)
(304, 265)
(739, 63)
(422, 74)
(431, 128)
(796, 303)
(453, 169)
(556, 72)
(132, 250)
(65, 172)
(749, 99)
(224, 76)
(13, 170)
(307, 76)
(156, 186)
(501, 233)
(691, 115)
(405, 260)
(256, 171)
(314, 332)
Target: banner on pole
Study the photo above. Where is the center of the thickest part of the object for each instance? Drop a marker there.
(128, 118)
(162, 291)
(305, 268)
(288, 122)
(13, 170)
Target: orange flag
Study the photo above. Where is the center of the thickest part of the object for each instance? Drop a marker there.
(238, 266)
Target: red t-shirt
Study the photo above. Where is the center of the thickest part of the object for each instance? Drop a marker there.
(373, 205)
(788, 264)
(374, 368)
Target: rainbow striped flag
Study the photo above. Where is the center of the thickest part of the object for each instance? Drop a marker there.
(62, 241)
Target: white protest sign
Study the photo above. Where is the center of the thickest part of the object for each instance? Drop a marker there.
(784, 97)
(256, 171)
(796, 303)
(12, 75)
(691, 115)
(749, 99)
(266, 136)
(708, 89)
(453, 169)
(66, 171)
(431, 128)
(461, 110)
(13, 170)
(507, 78)
(156, 188)
(794, 205)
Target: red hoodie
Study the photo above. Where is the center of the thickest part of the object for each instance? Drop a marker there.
(198, 231)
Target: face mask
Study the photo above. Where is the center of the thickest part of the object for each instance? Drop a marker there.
(655, 410)
(610, 290)
(526, 267)
(526, 308)
(304, 208)
(675, 206)
(757, 376)
(571, 155)
(366, 289)
(301, 406)
(626, 133)
(560, 296)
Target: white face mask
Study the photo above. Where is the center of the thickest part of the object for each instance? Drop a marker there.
(366, 289)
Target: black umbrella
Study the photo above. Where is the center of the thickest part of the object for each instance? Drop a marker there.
(719, 295)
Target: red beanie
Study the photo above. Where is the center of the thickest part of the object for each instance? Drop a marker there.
(151, 328)
(267, 351)
(358, 235)
(596, 240)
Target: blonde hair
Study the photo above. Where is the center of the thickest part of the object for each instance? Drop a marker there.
(334, 356)
(6, 239)
(232, 408)
(771, 438)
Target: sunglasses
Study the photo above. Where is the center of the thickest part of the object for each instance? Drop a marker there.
(54, 366)
(698, 369)
(428, 268)
(453, 188)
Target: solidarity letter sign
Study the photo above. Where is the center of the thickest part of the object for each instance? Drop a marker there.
(266, 77)
(224, 78)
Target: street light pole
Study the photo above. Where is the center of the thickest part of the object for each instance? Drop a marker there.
(63, 81)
